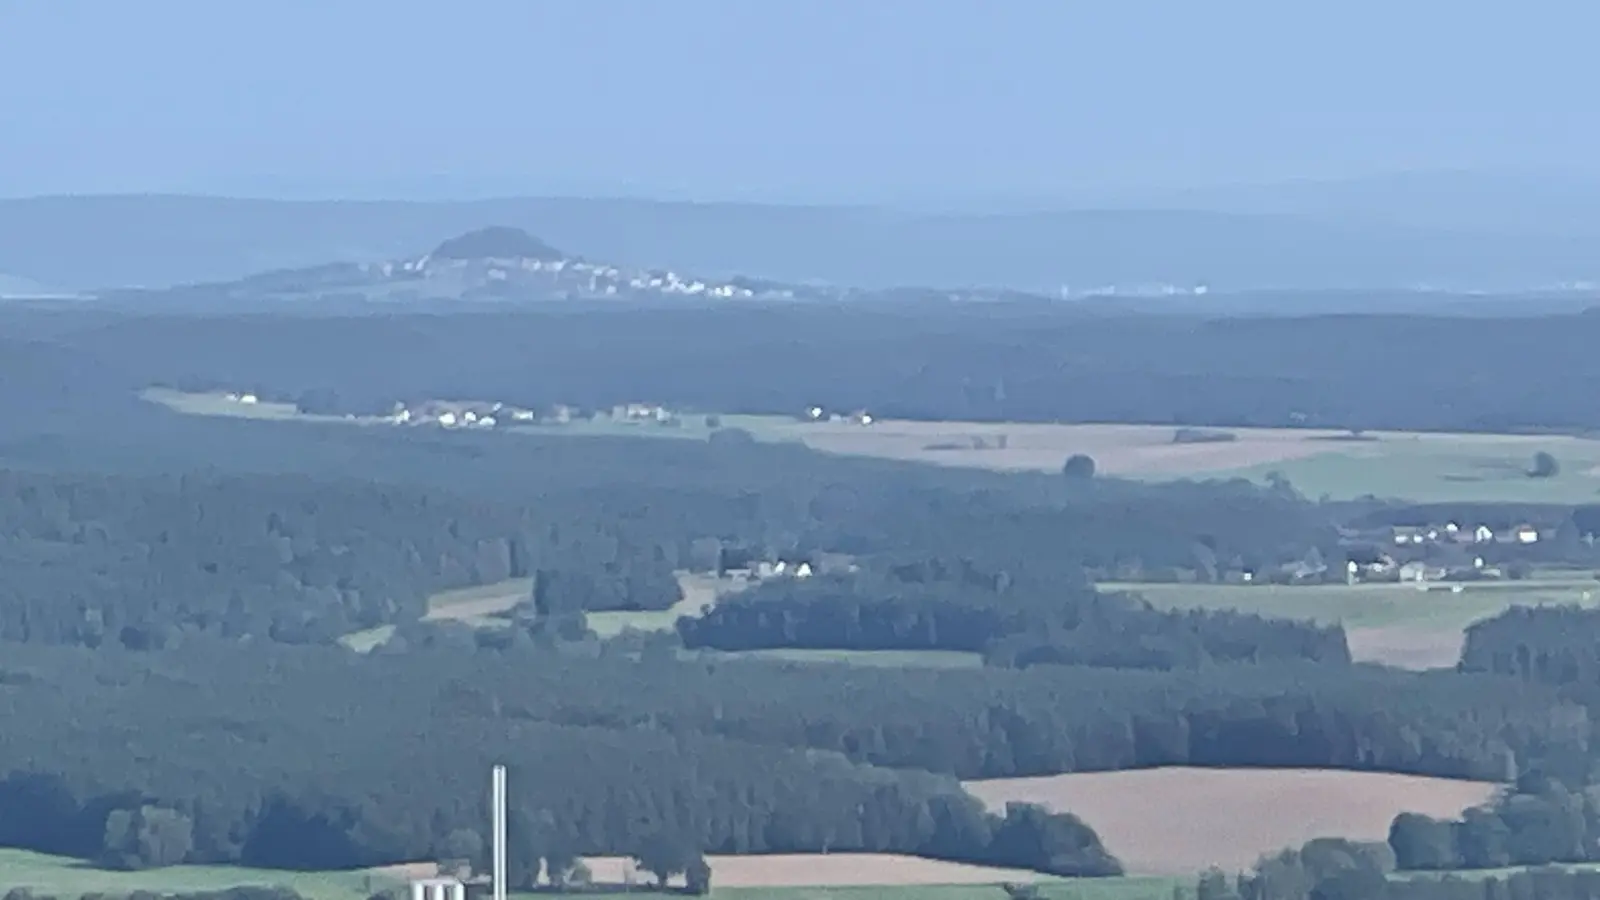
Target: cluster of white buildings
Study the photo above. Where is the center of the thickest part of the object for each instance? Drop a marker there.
(445, 414)
(859, 417)
(597, 279)
(1450, 532)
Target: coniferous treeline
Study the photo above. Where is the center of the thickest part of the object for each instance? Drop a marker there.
(311, 757)
(1013, 623)
(1552, 812)
(134, 560)
(1552, 645)
(990, 362)
(312, 531)
(1334, 869)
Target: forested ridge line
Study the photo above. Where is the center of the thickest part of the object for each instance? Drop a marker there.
(994, 362)
(312, 532)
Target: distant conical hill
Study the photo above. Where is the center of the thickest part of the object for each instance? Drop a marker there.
(496, 242)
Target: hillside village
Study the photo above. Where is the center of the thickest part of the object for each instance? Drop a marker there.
(490, 414)
(1445, 551)
(500, 264)
(487, 414)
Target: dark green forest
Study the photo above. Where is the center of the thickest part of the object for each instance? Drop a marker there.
(1334, 869)
(989, 362)
(313, 531)
(1019, 624)
(312, 757)
(173, 688)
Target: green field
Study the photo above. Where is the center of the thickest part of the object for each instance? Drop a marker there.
(1374, 605)
(689, 425)
(1394, 624)
(1412, 466)
(1481, 874)
(70, 878)
(928, 659)
(212, 404)
(1431, 468)
(485, 606)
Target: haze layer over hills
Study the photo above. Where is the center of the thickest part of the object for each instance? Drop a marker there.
(94, 243)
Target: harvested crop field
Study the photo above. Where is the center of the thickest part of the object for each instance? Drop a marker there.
(823, 870)
(1177, 821)
(1146, 450)
(1425, 467)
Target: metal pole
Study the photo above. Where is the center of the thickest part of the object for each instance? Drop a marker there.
(499, 801)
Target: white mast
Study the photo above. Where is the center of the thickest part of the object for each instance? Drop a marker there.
(498, 802)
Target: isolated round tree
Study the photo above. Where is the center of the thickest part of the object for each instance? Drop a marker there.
(1078, 465)
(1544, 466)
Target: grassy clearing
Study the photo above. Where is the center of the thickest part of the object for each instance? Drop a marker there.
(1402, 465)
(70, 878)
(895, 659)
(1442, 467)
(369, 639)
(485, 606)
(1481, 874)
(699, 591)
(210, 404)
(1373, 605)
(478, 603)
(691, 426)
(1394, 624)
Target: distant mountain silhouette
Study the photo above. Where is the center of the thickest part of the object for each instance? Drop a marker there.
(98, 242)
(497, 242)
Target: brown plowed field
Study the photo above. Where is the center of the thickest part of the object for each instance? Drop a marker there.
(1178, 821)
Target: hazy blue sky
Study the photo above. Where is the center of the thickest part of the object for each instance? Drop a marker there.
(818, 99)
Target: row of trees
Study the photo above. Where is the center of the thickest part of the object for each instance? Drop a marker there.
(1015, 623)
(1332, 869)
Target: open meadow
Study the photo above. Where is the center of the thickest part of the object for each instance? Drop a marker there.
(67, 878)
(1422, 467)
(896, 659)
(1396, 624)
(1177, 821)
(1411, 466)
(485, 606)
